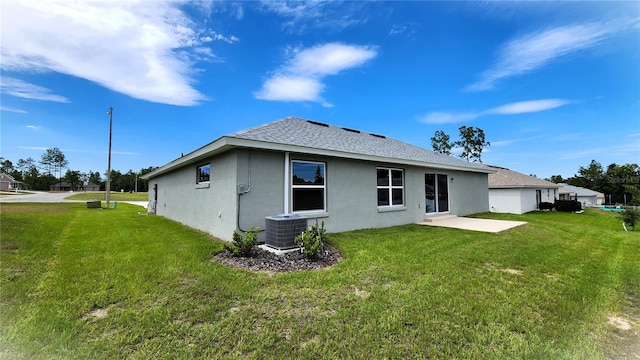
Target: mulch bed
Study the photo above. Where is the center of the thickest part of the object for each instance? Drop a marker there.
(263, 260)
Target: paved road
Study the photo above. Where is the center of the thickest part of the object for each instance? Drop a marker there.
(40, 196)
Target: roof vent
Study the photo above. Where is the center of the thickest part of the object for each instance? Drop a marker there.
(351, 130)
(379, 136)
(317, 123)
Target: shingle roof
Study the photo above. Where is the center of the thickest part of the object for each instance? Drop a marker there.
(311, 137)
(505, 178)
(315, 135)
(577, 190)
(8, 178)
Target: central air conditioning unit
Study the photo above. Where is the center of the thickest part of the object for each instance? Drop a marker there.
(282, 230)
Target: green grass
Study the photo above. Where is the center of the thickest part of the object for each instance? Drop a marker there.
(114, 196)
(103, 284)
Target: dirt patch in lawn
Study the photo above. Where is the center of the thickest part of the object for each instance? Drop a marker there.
(505, 270)
(96, 314)
(266, 261)
(626, 343)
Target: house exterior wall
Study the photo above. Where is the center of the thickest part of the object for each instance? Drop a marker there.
(518, 200)
(351, 193)
(263, 171)
(468, 193)
(506, 200)
(587, 201)
(211, 209)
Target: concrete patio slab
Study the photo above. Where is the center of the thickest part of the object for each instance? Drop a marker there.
(484, 225)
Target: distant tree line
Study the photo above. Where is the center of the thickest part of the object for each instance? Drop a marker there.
(42, 174)
(619, 183)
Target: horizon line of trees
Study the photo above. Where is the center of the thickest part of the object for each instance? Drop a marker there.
(619, 183)
(41, 175)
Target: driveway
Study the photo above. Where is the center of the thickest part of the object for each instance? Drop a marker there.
(47, 197)
(38, 196)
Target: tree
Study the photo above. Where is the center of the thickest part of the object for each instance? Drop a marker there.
(472, 141)
(95, 178)
(318, 178)
(143, 185)
(440, 143)
(556, 179)
(6, 166)
(73, 177)
(29, 172)
(593, 174)
(54, 159)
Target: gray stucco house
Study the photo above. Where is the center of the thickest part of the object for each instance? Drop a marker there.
(347, 178)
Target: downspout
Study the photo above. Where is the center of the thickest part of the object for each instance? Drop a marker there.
(286, 182)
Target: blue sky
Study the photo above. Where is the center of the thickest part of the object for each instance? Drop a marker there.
(552, 84)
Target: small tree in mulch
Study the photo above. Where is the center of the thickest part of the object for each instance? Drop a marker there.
(630, 217)
(242, 244)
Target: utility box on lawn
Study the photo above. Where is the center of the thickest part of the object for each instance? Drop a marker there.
(94, 205)
(282, 230)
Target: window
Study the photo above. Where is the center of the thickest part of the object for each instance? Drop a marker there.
(308, 186)
(390, 187)
(203, 173)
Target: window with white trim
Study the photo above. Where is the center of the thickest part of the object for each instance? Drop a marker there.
(308, 186)
(203, 173)
(390, 187)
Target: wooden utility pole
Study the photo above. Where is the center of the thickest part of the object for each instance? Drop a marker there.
(108, 197)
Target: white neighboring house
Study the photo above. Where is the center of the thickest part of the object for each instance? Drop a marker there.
(586, 197)
(516, 193)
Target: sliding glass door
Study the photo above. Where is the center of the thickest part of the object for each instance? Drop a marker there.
(436, 188)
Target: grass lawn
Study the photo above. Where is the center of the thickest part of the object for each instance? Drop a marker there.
(104, 284)
(114, 196)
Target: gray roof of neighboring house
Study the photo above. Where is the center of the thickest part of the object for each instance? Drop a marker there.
(311, 137)
(8, 178)
(505, 178)
(577, 190)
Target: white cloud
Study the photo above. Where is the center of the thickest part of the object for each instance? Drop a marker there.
(300, 78)
(32, 127)
(21, 89)
(532, 51)
(511, 141)
(12, 109)
(527, 106)
(447, 117)
(329, 59)
(138, 48)
(629, 150)
(289, 88)
(514, 108)
(65, 150)
(304, 15)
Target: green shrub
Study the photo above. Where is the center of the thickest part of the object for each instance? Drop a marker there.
(311, 241)
(242, 244)
(630, 217)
